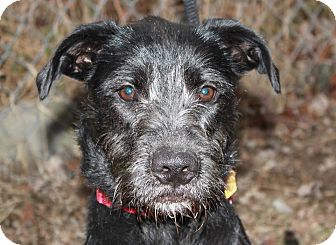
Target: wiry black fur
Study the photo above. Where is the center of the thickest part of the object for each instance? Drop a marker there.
(167, 64)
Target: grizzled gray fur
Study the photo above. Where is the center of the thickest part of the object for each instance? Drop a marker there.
(157, 129)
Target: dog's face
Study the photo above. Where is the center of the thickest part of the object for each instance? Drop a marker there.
(157, 129)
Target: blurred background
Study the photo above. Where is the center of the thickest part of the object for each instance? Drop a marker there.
(287, 172)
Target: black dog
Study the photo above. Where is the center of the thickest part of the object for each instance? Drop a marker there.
(157, 129)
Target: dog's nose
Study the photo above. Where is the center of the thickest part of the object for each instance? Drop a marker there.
(174, 168)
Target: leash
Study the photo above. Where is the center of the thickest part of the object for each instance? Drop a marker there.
(191, 12)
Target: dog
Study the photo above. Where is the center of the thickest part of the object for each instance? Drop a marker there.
(157, 129)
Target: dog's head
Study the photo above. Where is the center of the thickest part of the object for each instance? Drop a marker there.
(157, 128)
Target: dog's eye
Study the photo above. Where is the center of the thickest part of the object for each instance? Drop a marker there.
(207, 93)
(127, 93)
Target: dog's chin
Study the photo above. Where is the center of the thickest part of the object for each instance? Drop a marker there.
(173, 209)
(173, 205)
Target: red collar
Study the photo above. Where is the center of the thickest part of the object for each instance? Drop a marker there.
(104, 200)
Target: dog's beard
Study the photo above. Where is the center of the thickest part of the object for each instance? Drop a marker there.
(173, 204)
(177, 211)
(174, 208)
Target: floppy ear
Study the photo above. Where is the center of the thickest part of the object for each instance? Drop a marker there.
(75, 57)
(245, 49)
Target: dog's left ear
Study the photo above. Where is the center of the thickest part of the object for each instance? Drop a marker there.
(76, 56)
(244, 48)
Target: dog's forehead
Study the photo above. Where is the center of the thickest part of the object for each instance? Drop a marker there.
(165, 50)
(165, 43)
(154, 28)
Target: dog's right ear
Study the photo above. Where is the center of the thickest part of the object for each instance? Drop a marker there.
(76, 55)
(244, 49)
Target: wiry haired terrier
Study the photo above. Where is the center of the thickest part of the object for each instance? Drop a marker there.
(157, 129)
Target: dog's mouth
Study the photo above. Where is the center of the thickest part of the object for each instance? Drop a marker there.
(172, 199)
(176, 204)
